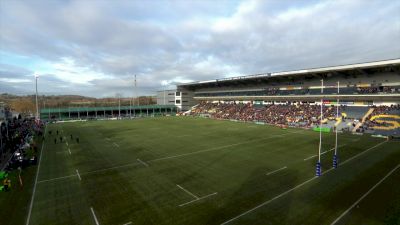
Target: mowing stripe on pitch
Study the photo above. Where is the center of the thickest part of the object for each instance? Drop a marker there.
(111, 168)
(36, 180)
(213, 149)
(147, 165)
(172, 157)
(365, 195)
(272, 172)
(79, 176)
(297, 186)
(94, 216)
(61, 152)
(186, 135)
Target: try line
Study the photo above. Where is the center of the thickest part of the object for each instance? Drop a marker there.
(297, 186)
(36, 180)
(365, 195)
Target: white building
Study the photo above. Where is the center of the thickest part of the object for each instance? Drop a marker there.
(181, 98)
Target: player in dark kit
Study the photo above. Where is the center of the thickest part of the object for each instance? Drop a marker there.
(55, 140)
(57, 132)
(71, 136)
(60, 139)
(77, 140)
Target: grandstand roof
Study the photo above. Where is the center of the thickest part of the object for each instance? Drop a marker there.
(360, 68)
(107, 108)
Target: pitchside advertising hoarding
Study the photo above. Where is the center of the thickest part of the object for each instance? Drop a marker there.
(329, 102)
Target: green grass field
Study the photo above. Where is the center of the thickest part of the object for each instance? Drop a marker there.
(198, 171)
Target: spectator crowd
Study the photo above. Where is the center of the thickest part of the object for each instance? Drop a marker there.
(380, 110)
(302, 115)
(17, 149)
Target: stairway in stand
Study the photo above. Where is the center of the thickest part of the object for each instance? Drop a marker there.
(359, 124)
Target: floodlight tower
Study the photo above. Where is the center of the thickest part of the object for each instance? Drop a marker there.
(318, 166)
(37, 105)
(164, 96)
(118, 95)
(136, 95)
(335, 157)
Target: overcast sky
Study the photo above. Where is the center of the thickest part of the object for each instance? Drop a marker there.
(94, 47)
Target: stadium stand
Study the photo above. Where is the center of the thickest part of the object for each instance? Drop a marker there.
(301, 115)
(354, 112)
(17, 138)
(383, 120)
(292, 98)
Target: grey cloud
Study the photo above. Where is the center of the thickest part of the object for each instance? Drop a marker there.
(160, 40)
(16, 72)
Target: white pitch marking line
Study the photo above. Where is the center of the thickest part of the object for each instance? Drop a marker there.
(190, 193)
(212, 149)
(322, 153)
(69, 150)
(173, 156)
(36, 180)
(66, 143)
(310, 157)
(79, 176)
(272, 172)
(195, 200)
(108, 139)
(147, 165)
(128, 223)
(365, 195)
(94, 216)
(332, 149)
(115, 144)
(58, 178)
(297, 186)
